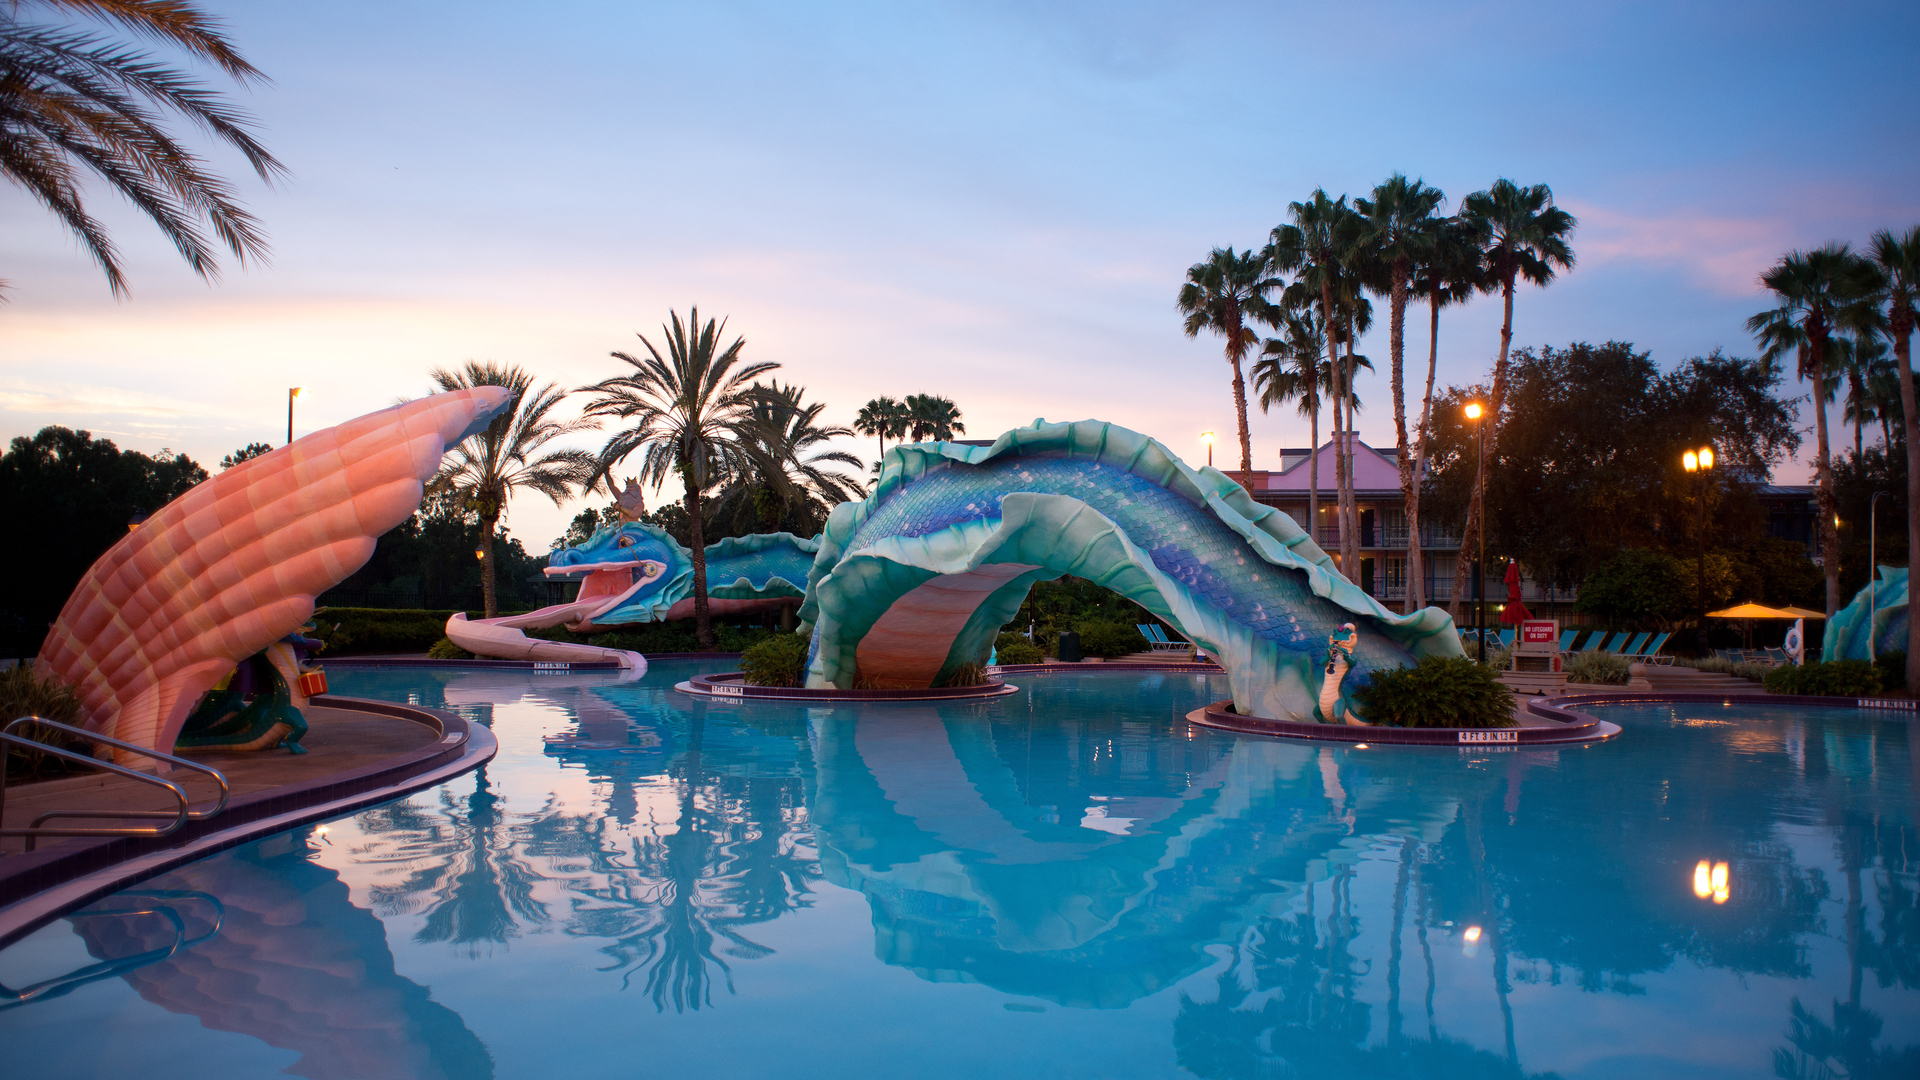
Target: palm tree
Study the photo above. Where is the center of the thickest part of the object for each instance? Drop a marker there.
(1891, 282)
(787, 480)
(73, 102)
(1397, 230)
(1314, 246)
(931, 418)
(883, 417)
(1293, 368)
(1450, 273)
(484, 470)
(1522, 235)
(1814, 289)
(1224, 294)
(1356, 317)
(689, 414)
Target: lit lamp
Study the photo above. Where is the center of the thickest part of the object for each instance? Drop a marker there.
(1474, 412)
(138, 519)
(480, 551)
(292, 393)
(1701, 461)
(1207, 437)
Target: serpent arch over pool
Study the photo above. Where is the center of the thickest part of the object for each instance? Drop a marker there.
(918, 578)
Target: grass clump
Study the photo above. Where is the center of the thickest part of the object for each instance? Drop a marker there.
(24, 692)
(1439, 691)
(1598, 668)
(1832, 678)
(780, 660)
(967, 674)
(445, 649)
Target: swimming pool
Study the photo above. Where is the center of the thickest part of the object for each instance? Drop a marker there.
(1066, 882)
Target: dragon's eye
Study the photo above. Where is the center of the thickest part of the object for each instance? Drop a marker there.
(625, 541)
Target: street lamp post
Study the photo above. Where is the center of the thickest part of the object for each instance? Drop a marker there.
(292, 393)
(1701, 461)
(1207, 437)
(1474, 413)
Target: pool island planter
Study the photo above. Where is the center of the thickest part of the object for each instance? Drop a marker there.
(732, 686)
(1562, 726)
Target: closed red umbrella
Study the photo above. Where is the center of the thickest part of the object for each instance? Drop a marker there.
(1515, 612)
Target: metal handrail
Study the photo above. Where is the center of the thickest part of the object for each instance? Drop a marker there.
(63, 984)
(181, 816)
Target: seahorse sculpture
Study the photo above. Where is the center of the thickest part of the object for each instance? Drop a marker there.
(1877, 613)
(636, 573)
(916, 580)
(233, 565)
(1339, 660)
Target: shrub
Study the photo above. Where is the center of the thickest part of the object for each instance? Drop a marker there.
(1599, 668)
(780, 660)
(1010, 637)
(1740, 669)
(360, 631)
(23, 692)
(1110, 639)
(445, 649)
(1834, 678)
(1439, 691)
(1020, 652)
(1892, 666)
(967, 674)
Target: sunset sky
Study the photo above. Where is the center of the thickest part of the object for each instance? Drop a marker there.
(992, 201)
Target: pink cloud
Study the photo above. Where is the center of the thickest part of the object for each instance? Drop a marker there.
(1723, 254)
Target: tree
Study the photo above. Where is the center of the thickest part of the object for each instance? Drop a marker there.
(1225, 295)
(787, 483)
(246, 453)
(1892, 285)
(1397, 230)
(1451, 272)
(74, 102)
(1522, 235)
(883, 417)
(931, 418)
(509, 454)
(72, 496)
(1314, 247)
(1294, 368)
(688, 413)
(1813, 287)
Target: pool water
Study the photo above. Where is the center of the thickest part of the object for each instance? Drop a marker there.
(1067, 882)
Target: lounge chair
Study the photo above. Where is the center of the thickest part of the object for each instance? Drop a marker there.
(1567, 640)
(1593, 642)
(1652, 653)
(1633, 649)
(1613, 646)
(1157, 639)
(1777, 657)
(1506, 639)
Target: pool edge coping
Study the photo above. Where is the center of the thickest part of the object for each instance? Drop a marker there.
(38, 887)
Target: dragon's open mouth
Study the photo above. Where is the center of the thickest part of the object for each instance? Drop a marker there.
(610, 583)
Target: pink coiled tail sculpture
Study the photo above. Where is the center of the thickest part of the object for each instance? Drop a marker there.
(233, 566)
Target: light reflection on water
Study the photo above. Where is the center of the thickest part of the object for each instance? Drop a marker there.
(1066, 882)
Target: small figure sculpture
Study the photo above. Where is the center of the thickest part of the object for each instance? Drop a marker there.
(1339, 660)
(632, 502)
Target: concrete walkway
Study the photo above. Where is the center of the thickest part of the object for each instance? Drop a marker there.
(337, 741)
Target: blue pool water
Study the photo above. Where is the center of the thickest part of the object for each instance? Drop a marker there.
(1068, 882)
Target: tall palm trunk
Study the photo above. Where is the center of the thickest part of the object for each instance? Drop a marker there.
(1823, 476)
(697, 540)
(1339, 459)
(1240, 410)
(1313, 464)
(488, 598)
(1902, 328)
(1350, 533)
(1397, 341)
(1470, 534)
(1859, 402)
(1416, 557)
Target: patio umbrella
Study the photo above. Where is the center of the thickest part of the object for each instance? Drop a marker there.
(1760, 611)
(1515, 612)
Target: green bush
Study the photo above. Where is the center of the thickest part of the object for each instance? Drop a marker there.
(1020, 652)
(1892, 666)
(445, 649)
(780, 660)
(362, 631)
(1737, 668)
(1110, 639)
(1439, 691)
(1834, 678)
(1010, 637)
(23, 692)
(1599, 668)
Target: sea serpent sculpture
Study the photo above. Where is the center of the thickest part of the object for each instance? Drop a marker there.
(916, 580)
(1877, 613)
(233, 566)
(635, 573)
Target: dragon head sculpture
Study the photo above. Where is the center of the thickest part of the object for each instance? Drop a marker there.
(625, 572)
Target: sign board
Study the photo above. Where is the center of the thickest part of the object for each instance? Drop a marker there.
(1539, 631)
(1538, 647)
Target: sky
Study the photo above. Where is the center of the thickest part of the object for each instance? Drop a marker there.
(992, 201)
